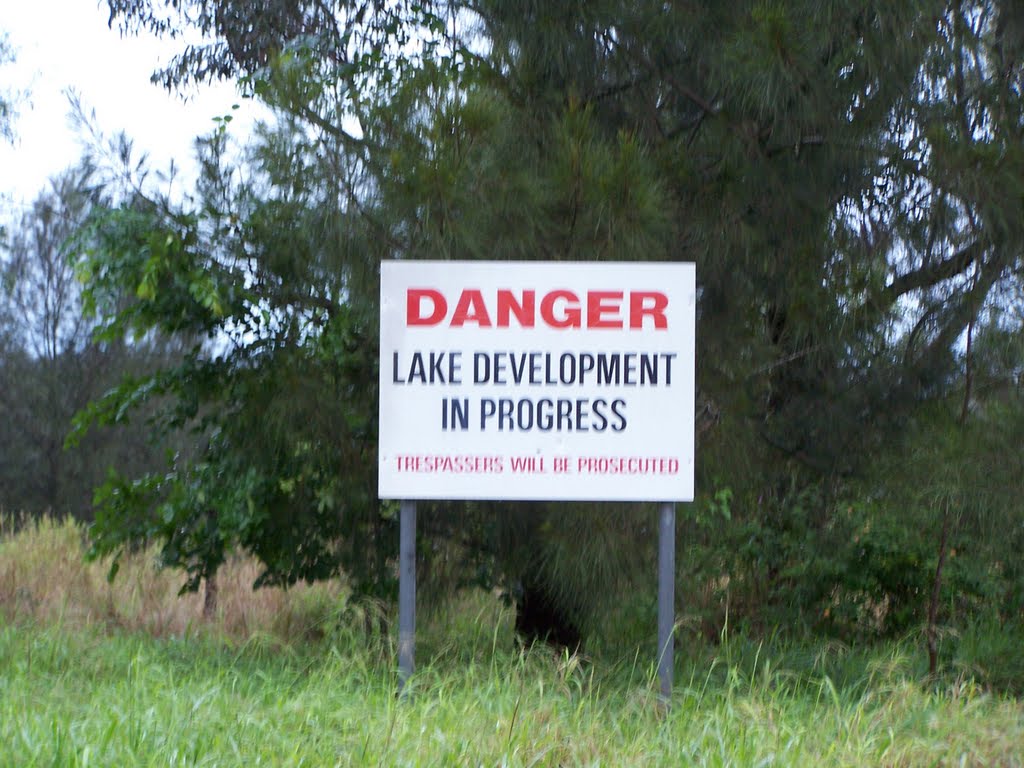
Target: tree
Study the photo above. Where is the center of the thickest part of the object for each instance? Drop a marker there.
(828, 166)
(46, 343)
(8, 98)
(276, 389)
(51, 365)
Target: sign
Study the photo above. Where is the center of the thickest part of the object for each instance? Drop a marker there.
(537, 380)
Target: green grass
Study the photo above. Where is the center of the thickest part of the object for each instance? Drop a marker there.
(128, 674)
(87, 697)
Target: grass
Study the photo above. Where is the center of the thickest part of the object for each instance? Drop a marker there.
(92, 698)
(77, 689)
(44, 577)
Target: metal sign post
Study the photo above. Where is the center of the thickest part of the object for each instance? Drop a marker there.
(666, 596)
(406, 594)
(537, 381)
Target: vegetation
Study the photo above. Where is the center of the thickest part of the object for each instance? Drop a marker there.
(46, 581)
(846, 176)
(51, 365)
(79, 699)
(95, 680)
(8, 100)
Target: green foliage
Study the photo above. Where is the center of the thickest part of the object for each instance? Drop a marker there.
(277, 390)
(880, 580)
(845, 175)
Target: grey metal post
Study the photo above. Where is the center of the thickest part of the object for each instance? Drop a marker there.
(406, 593)
(666, 595)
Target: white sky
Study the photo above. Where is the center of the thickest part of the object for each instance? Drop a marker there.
(61, 44)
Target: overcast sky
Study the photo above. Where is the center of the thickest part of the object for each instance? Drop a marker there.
(62, 44)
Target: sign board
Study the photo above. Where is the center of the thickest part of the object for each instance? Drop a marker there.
(537, 380)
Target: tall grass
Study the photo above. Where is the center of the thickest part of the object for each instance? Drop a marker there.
(103, 674)
(91, 698)
(44, 577)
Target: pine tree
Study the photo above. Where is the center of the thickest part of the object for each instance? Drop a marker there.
(846, 176)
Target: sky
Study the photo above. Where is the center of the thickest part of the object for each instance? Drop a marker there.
(62, 44)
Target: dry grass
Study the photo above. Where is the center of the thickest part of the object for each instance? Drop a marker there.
(44, 577)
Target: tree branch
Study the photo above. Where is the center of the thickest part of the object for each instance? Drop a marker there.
(929, 275)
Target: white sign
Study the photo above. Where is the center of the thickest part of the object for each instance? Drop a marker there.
(537, 380)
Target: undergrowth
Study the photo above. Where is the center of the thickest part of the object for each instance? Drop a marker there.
(94, 673)
(44, 576)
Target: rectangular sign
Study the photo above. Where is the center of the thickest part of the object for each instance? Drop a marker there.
(537, 380)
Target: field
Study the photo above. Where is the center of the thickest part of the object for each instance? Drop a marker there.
(126, 674)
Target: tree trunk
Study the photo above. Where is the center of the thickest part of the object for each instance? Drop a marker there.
(210, 597)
